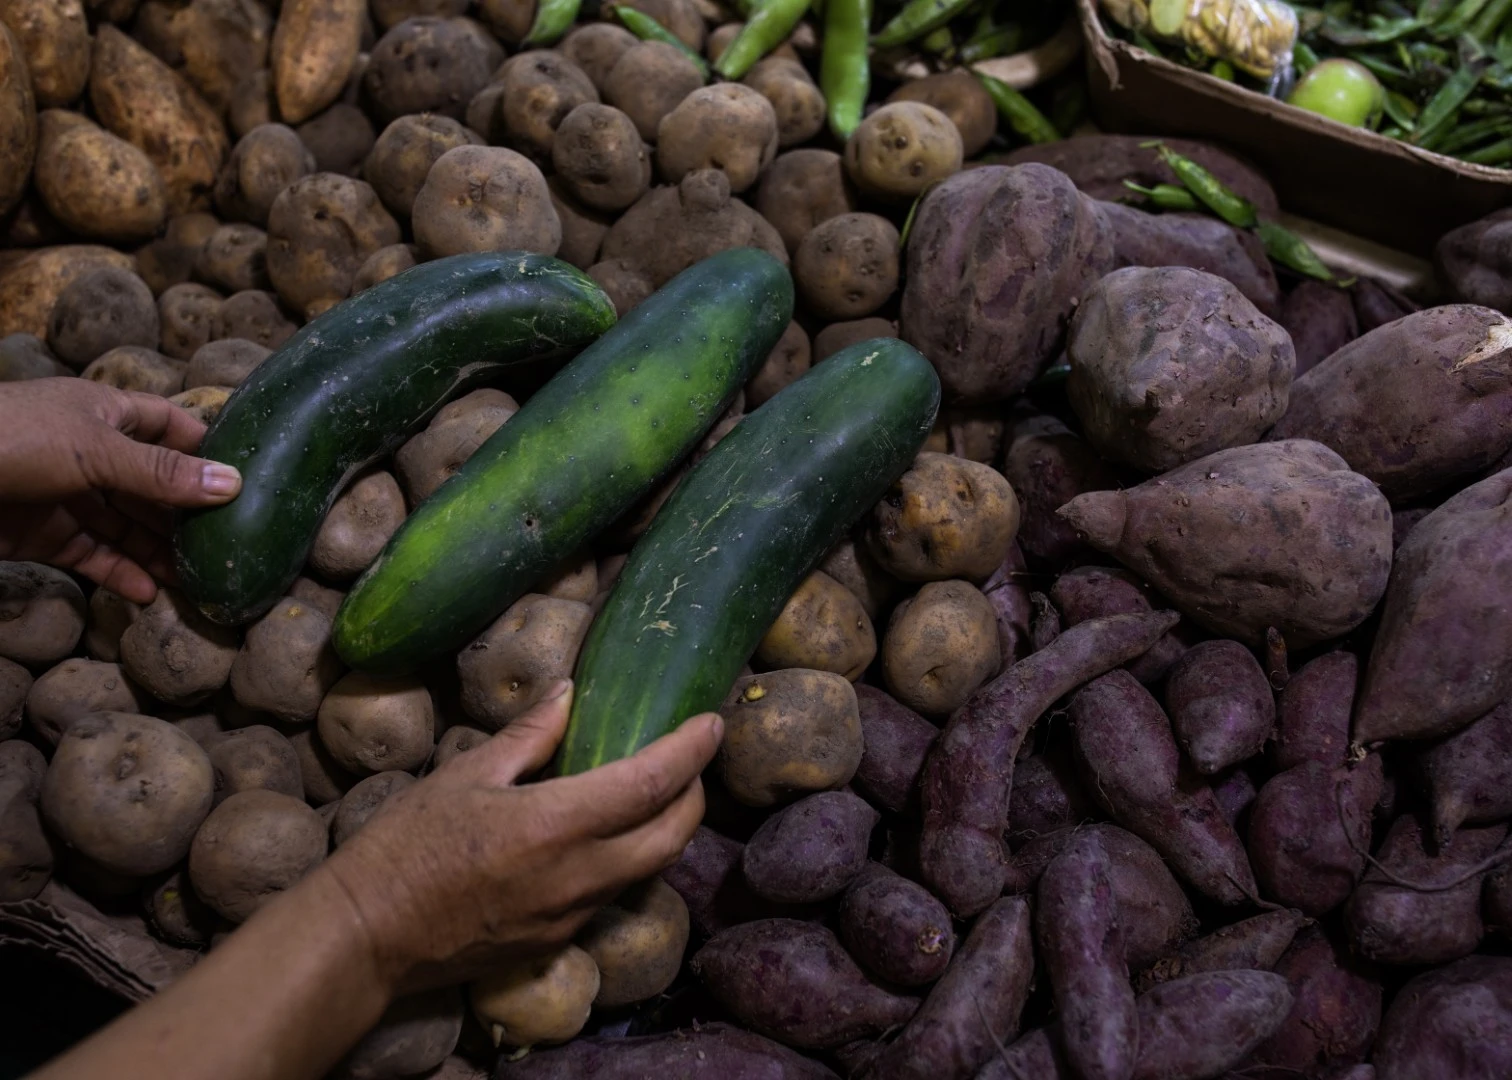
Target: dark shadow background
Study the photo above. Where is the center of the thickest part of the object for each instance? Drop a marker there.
(45, 1007)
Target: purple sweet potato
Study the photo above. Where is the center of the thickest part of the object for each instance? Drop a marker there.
(706, 1052)
(1048, 465)
(811, 850)
(1452, 1022)
(1235, 792)
(974, 1008)
(1081, 945)
(1403, 521)
(1046, 797)
(1090, 592)
(895, 929)
(1009, 597)
(707, 876)
(1220, 704)
(1469, 774)
(791, 981)
(1320, 319)
(1036, 1056)
(896, 741)
(1255, 943)
(1312, 720)
(1335, 1014)
(1201, 1025)
(1129, 761)
(1496, 901)
(1278, 534)
(1472, 261)
(997, 259)
(968, 777)
(1443, 654)
(1414, 405)
(1044, 624)
(1391, 924)
(1377, 303)
(1298, 844)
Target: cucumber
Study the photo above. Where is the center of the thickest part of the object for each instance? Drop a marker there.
(737, 537)
(580, 452)
(348, 388)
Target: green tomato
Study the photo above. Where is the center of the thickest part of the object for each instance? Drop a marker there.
(1341, 90)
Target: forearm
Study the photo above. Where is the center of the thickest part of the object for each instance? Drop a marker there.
(282, 999)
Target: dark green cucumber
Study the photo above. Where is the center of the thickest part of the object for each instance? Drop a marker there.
(583, 450)
(348, 388)
(739, 534)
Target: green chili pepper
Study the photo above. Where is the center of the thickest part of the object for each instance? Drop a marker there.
(1389, 74)
(1022, 116)
(844, 67)
(646, 28)
(1167, 196)
(1232, 208)
(1498, 153)
(768, 27)
(1346, 36)
(553, 18)
(1401, 109)
(1490, 20)
(1303, 58)
(1291, 251)
(999, 42)
(1459, 18)
(918, 18)
(1391, 131)
(938, 42)
(1443, 104)
(1466, 136)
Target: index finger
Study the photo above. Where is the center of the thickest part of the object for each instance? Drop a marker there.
(614, 798)
(152, 419)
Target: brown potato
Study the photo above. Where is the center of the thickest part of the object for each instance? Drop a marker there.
(433, 456)
(457, 739)
(799, 105)
(109, 616)
(74, 689)
(30, 285)
(234, 258)
(583, 229)
(286, 663)
(252, 315)
(26, 853)
(485, 198)
(23, 357)
(901, 149)
(537, 1001)
(575, 579)
(387, 13)
(679, 16)
(224, 363)
(320, 597)
(648, 82)
(253, 758)
(785, 363)
(340, 139)
(512, 664)
(18, 122)
(177, 915)
(186, 318)
(801, 189)
(944, 518)
(315, 47)
(138, 97)
(131, 367)
(383, 264)
(403, 155)
(214, 44)
(596, 47)
(41, 613)
(127, 792)
(822, 627)
(15, 684)
(95, 184)
(253, 846)
(99, 311)
(727, 126)
(54, 38)
(510, 20)
(427, 64)
(961, 97)
(841, 335)
(412, 1038)
(600, 156)
(788, 734)
(359, 523)
(481, 109)
(941, 644)
(849, 563)
(322, 775)
(175, 653)
(169, 259)
(263, 162)
(847, 267)
(374, 725)
(637, 943)
(538, 90)
(363, 800)
(624, 283)
(204, 403)
(321, 229)
(253, 103)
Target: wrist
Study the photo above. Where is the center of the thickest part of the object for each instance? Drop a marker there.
(327, 898)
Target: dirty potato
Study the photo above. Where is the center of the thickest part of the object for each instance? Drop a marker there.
(224, 363)
(234, 258)
(601, 158)
(962, 98)
(286, 663)
(648, 82)
(727, 126)
(131, 367)
(433, 456)
(637, 941)
(795, 99)
(314, 49)
(74, 689)
(263, 162)
(801, 189)
(370, 724)
(383, 264)
(428, 65)
(99, 311)
(30, 285)
(96, 184)
(186, 318)
(538, 89)
(175, 653)
(320, 230)
(945, 517)
(359, 523)
(18, 122)
(847, 267)
(41, 613)
(485, 198)
(251, 758)
(822, 627)
(901, 149)
(513, 663)
(54, 38)
(403, 155)
(941, 644)
(788, 734)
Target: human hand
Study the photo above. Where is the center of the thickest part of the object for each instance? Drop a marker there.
(87, 473)
(469, 865)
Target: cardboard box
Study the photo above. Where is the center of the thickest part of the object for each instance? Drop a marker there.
(1348, 178)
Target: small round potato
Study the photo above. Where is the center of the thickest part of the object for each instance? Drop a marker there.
(252, 847)
(251, 758)
(186, 316)
(253, 103)
(537, 91)
(648, 82)
(847, 267)
(510, 20)
(842, 335)
(961, 97)
(426, 65)
(340, 139)
(637, 943)
(324, 779)
(726, 126)
(96, 184)
(177, 915)
(255, 316)
(131, 367)
(795, 99)
(901, 149)
(359, 523)
(15, 685)
(851, 565)
(31, 281)
(601, 157)
(225, 362)
(25, 356)
(322, 598)
(412, 1039)
(823, 627)
(74, 689)
(99, 311)
(201, 726)
(363, 800)
(175, 653)
(624, 283)
(583, 230)
(801, 189)
(485, 198)
(788, 734)
(169, 259)
(286, 663)
(433, 456)
(515, 661)
(596, 47)
(383, 264)
(263, 162)
(537, 1001)
(321, 229)
(234, 258)
(403, 155)
(457, 739)
(941, 644)
(482, 107)
(127, 791)
(944, 518)
(374, 725)
(109, 616)
(41, 613)
(784, 364)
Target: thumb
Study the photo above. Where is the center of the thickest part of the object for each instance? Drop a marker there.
(166, 476)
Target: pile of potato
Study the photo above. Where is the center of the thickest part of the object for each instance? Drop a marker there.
(1152, 725)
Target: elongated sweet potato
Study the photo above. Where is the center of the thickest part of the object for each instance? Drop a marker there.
(1312, 718)
(791, 981)
(895, 928)
(1469, 774)
(897, 741)
(1235, 791)
(1048, 465)
(1046, 796)
(1334, 1016)
(1454, 1021)
(1009, 597)
(1311, 560)
(1254, 943)
(706, 1052)
(1443, 654)
(811, 850)
(1202, 1025)
(1377, 303)
(1471, 260)
(708, 877)
(968, 777)
(1038, 1055)
(1320, 319)
(1220, 704)
(1090, 592)
(1130, 762)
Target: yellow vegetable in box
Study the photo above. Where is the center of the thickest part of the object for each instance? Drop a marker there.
(1256, 36)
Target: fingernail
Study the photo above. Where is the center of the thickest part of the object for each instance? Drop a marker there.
(218, 479)
(716, 727)
(557, 689)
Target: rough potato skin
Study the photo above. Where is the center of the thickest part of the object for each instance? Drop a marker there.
(896, 741)
(253, 757)
(997, 259)
(1313, 714)
(99, 311)
(26, 852)
(74, 689)
(433, 456)
(225, 362)
(792, 981)
(1255, 944)
(363, 800)
(596, 47)
(1169, 364)
(15, 685)
(253, 846)
(795, 99)
(403, 155)
(1220, 704)
(286, 663)
(97, 185)
(1320, 319)
(847, 267)
(324, 779)
(811, 850)
(1442, 657)
(895, 928)
(427, 64)
(315, 47)
(600, 157)
(648, 81)
(321, 228)
(1469, 774)
(18, 121)
(901, 148)
(1452, 1021)
(175, 653)
(961, 98)
(512, 664)
(485, 198)
(255, 316)
(235, 258)
(822, 627)
(53, 35)
(341, 138)
(263, 162)
(945, 517)
(787, 734)
(375, 725)
(707, 1052)
(726, 126)
(1048, 465)
(131, 367)
(356, 527)
(1336, 1010)
(1312, 564)
(802, 188)
(31, 284)
(941, 645)
(41, 613)
(1472, 261)
(637, 941)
